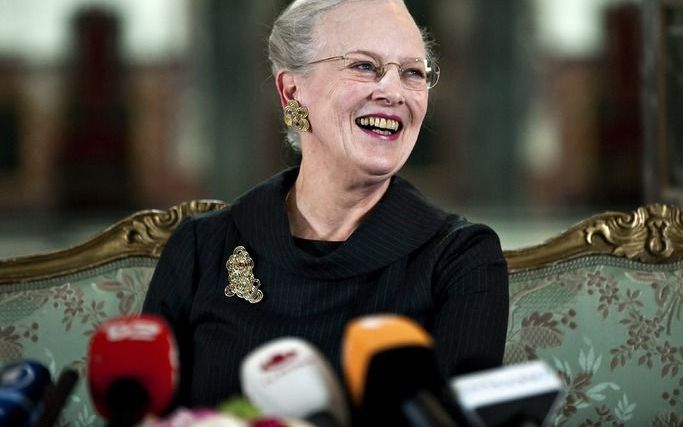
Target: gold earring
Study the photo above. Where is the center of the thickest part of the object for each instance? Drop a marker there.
(296, 116)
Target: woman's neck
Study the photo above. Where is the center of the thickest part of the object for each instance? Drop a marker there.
(325, 207)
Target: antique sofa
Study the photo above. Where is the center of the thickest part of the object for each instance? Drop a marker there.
(601, 303)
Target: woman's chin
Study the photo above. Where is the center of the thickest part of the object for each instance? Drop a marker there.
(380, 161)
(381, 170)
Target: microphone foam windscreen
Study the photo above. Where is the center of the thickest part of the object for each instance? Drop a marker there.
(29, 378)
(23, 385)
(288, 377)
(138, 351)
(526, 393)
(376, 348)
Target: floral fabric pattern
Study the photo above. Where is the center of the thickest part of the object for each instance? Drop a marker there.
(612, 330)
(51, 321)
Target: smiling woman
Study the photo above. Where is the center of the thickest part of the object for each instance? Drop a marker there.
(337, 153)
(341, 235)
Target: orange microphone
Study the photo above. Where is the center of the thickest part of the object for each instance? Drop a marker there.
(391, 373)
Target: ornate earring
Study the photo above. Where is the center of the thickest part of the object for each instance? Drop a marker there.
(296, 116)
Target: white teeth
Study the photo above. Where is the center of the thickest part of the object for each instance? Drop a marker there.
(378, 122)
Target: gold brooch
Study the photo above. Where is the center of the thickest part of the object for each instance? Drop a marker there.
(241, 281)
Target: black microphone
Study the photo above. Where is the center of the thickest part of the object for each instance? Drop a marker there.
(56, 397)
(392, 375)
(522, 395)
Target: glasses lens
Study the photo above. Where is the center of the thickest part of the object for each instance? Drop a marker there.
(433, 73)
(414, 74)
(361, 67)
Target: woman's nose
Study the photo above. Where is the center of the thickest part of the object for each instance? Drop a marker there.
(389, 86)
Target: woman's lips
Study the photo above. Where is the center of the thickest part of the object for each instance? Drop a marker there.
(386, 127)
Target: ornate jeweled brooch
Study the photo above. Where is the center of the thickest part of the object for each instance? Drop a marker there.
(241, 280)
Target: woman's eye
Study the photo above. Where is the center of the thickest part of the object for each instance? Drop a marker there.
(414, 73)
(363, 66)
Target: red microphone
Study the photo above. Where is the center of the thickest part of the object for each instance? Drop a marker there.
(132, 368)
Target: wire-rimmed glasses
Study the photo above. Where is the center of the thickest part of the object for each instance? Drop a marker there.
(415, 73)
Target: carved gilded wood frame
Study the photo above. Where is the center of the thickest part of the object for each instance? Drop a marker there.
(141, 234)
(650, 234)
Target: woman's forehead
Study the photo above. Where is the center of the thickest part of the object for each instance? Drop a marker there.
(382, 26)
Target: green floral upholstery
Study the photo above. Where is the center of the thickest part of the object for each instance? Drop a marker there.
(50, 304)
(612, 329)
(601, 303)
(51, 320)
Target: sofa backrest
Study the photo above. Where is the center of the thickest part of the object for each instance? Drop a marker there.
(50, 304)
(601, 303)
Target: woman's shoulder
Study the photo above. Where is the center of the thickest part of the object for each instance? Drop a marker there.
(456, 224)
(206, 225)
(450, 230)
(470, 227)
(461, 236)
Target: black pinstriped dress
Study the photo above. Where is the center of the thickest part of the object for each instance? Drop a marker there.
(407, 257)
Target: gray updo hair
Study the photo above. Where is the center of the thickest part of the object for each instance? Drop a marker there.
(291, 43)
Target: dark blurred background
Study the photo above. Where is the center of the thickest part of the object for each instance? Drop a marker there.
(107, 107)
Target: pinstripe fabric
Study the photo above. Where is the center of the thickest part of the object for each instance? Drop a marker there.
(407, 257)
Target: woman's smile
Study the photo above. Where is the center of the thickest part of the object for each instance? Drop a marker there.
(382, 126)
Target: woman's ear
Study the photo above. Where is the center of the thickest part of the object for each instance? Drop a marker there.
(286, 86)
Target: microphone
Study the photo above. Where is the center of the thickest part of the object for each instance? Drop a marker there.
(56, 396)
(200, 417)
(22, 386)
(526, 394)
(14, 410)
(132, 368)
(391, 373)
(289, 378)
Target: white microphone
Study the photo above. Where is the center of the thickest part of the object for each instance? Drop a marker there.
(526, 394)
(289, 378)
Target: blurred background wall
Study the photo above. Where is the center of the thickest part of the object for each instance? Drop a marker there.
(107, 107)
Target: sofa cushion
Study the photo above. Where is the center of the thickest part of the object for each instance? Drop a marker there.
(51, 320)
(612, 329)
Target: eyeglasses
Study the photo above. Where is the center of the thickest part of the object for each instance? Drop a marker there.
(415, 74)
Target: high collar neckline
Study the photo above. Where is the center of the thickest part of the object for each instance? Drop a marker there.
(400, 222)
